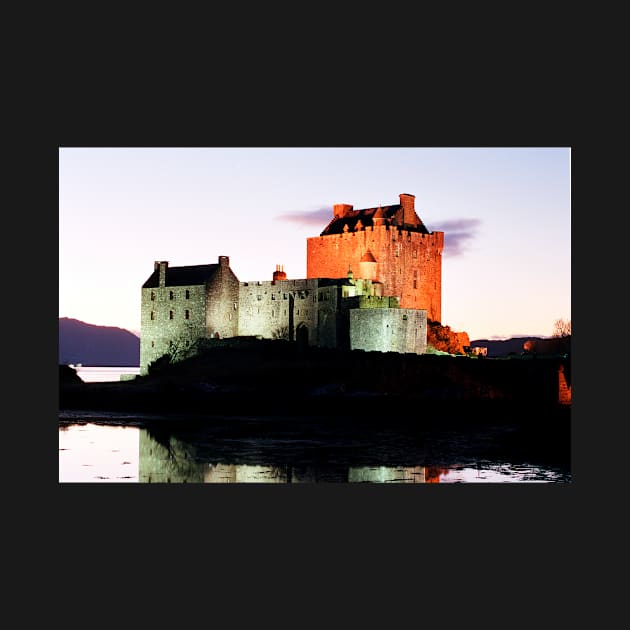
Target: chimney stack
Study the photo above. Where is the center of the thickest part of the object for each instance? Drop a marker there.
(341, 209)
(408, 211)
(279, 274)
(161, 266)
(224, 261)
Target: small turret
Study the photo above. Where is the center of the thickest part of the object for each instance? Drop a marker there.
(367, 266)
(379, 217)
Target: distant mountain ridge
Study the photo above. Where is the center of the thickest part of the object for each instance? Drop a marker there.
(516, 345)
(92, 345)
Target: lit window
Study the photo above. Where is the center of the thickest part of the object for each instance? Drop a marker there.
(170, 314)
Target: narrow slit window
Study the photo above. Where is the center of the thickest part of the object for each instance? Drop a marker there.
(187, 315)
(170, 314)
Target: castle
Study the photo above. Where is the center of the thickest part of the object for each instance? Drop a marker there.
(374, 278)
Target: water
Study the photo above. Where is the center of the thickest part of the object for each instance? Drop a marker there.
(93, 451)
(104, 374)
(97, 447)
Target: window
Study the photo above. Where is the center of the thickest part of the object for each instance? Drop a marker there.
(170, 295)
(152, 315)
(170, 314)
(153, 344)
(405, 317)
(152, 296)
(187, 294)
(187, 314)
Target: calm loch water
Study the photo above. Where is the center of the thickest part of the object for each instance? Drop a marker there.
(91, 452)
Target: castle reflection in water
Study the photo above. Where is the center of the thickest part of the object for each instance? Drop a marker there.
(165, 459)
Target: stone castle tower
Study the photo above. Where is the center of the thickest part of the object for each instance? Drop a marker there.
(388, 245)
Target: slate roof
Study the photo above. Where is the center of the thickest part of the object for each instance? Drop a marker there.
(182, 276)
(366, 215)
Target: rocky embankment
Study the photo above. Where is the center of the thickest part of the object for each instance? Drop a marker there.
(273, 378)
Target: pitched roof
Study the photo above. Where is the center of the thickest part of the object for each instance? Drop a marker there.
(337, 225)
(182, 276)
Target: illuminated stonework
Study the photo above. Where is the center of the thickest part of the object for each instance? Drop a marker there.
(390, 244)
(385, 308)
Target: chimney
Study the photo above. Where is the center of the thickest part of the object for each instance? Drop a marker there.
(224, 261)
(408, 211)
(341, 209)
(279, 274)
(161, 266)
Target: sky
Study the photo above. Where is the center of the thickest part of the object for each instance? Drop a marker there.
(505, 213)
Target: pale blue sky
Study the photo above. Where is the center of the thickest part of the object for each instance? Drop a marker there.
(506, 214)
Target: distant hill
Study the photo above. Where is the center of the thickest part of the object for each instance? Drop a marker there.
(93, 345)
(515, 345)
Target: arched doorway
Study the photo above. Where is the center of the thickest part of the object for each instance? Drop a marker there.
(301, 335)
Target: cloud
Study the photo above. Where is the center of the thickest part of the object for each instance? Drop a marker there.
(457, 233)
(320, 217)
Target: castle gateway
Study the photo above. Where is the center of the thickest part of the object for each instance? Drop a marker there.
(373, 279)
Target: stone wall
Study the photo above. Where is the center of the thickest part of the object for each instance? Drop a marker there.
(275, 309)
(169, 315)
(222, 302)
(388, 330)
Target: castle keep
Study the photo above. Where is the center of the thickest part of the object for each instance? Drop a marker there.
(389, 244)
(373, 280)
